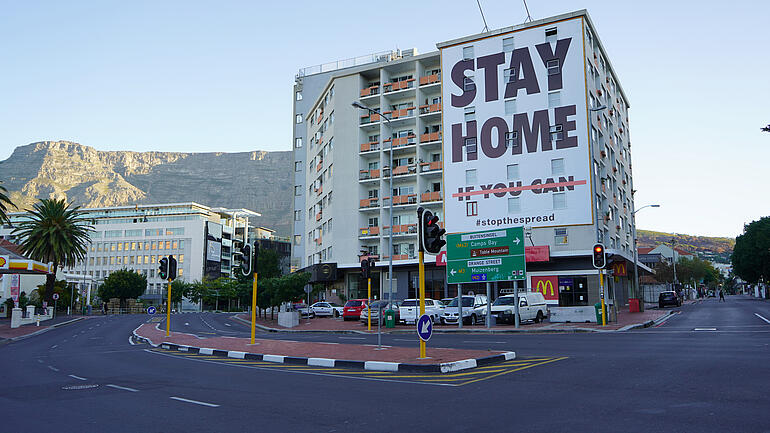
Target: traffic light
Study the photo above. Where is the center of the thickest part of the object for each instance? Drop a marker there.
(365, 274)
(600, 259)
(431, 233)
(171, 268)
(163, 268)
(245, 255)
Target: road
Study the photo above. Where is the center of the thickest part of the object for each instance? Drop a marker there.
(703, 370)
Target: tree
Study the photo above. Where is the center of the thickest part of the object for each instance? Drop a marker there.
(60, 287)
(751, 255)
(4, 200)
(179, 290)
(268, 264)
(54, 232)
(123, 284)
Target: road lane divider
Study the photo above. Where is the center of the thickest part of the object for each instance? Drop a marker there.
(767, 321)
(124, 388)
(187, 400)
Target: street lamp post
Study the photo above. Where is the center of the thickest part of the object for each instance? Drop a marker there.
(636, 258)
(390, 217)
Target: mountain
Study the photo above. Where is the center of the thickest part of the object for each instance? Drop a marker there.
(260, 181)
(710, 248)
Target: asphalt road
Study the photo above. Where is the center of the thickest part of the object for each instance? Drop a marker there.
(705, 369)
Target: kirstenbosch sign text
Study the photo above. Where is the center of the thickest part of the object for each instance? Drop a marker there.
(532, 130)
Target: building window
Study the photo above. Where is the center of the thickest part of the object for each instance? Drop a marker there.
(470, 145)
(510, 139)
(550, 34)
(510, 106)
(468, 84)
(554, 99)
(559, 200)
(553, 67)
(514, 205)
(508, 44)
(468, 52)
(509, 75)
(513, 171)
(299, 96)
(556, 133)
(297, 190)
(298, 142)
(470, 114)
(557, 167)
(297, 215)
(297, 165)
(470, 177)
(297, 239)
(298, 118)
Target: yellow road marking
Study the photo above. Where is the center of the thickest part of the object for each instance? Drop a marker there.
(516, 369)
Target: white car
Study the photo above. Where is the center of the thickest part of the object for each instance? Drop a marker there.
(409, 310)
(532, 306)
(324, 308)
(474, 309)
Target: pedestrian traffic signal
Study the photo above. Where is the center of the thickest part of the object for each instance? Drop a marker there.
(245, 256)
(365, 273)
(599, 256)
(163, 268)
(171, 268)
(431, 233)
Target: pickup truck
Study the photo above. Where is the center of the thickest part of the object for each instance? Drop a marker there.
(532, 306)
(410, 308)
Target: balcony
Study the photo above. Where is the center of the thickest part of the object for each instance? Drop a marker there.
(405, 229)
(369, 231)
(400, 200)
(430, 108)
(399, 85)
(370, 146)
(430, 79)
(402, 170)
(430, 137)
(317, 240)
(430, 196)
(400, 113)
(427, 167)
(368, 174)
(369, 203)
(319, 190)
(367, 119)
(318, 216)
(401, 257)
(319, 166)
(370, 91)
(401, 141)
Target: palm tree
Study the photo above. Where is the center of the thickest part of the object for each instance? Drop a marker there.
(54, 232)
(3, 200)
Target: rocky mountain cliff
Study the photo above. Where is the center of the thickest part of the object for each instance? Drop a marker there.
(260, 181)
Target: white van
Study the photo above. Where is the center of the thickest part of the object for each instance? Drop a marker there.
(532, 306)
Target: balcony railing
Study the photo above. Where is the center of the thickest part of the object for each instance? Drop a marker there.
(399, 85)
(430, 79)
(370, 91)
(369, 231)
(368, 174)
(426, 167)
(319, 190)
(400, 200)
(319, 166)
(430, 108)
(370, 118)
(318, 216)
(370, 146)
(400, 141)
(369, 202)
(318, 240)
(430, 196)
(401, 112)
(432, 136)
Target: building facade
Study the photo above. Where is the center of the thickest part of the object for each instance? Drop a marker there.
(552, 87)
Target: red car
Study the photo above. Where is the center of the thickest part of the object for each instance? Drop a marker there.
(352, 309)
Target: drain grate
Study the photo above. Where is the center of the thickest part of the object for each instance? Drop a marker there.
(76, 387)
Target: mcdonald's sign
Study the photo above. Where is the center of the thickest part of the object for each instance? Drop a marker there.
(619, 269)
(548, 286)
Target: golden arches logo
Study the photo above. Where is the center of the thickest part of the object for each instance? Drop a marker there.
(545, 285)
(620, 269)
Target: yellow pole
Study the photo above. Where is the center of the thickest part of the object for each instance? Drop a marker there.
(168, 309)
(422, 298)
(601, 287)
(253, 307)
(369, 303)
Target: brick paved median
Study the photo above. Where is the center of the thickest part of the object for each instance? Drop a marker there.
(313, 350)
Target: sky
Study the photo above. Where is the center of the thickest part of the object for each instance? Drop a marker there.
(201, 76)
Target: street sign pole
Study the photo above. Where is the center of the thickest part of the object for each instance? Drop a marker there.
(517, 318)
(168, 309)
(253, 307)
(489, 305)
(460, 305)
(369, 301)
(601, 288)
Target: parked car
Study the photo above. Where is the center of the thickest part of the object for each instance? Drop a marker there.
(375, 309)
(474, 309)
(669, 297)
(324, 308)
(303, 309)
(410, 308)
(532, 306)
(446, 301)
(352, 309)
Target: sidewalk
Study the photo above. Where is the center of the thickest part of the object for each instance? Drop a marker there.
(13, 334)
(625, 322)
(367, 356)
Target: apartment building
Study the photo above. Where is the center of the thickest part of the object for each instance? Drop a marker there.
(201, 238)
(529, 105)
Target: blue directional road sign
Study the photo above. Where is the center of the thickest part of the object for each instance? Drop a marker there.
(150, 310)
(424, 327)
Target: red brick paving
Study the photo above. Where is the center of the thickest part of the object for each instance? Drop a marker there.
(351, 352)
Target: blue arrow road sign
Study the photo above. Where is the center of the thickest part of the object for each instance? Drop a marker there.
(424, 327)
(150, 310)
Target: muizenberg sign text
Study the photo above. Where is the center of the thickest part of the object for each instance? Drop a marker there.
(517, 150)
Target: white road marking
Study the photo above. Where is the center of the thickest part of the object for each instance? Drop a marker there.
(482, 341)
(40, 361)
(123, 388)
(404, 339)
(202, 403)
(353, 338)
(77, 377)
(705, 329)
(186, 323)
(54, 346)
(227, 324)
(768, 321)
(53, 368)
(130, 340)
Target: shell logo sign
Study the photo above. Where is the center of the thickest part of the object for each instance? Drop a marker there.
(3, 262)
(548, 286)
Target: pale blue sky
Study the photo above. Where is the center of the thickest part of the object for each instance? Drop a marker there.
(197, 76)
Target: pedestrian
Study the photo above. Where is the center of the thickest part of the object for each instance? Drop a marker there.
(721, 295)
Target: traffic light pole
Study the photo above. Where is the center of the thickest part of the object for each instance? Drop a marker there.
(369, 302)
(601, 288)
(422, 299)
(253, 307)
(168, 309)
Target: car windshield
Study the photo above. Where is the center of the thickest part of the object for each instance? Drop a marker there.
(667, 295)
(353, 304)
(467, 302)
(505, 300)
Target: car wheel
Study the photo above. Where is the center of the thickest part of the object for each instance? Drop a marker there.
(473, 319)
(539, 317)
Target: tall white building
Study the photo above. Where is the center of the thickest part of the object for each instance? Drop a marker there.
(559, 118)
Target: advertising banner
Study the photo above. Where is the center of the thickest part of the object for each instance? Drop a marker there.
(516, 150)
(15, 287)
(548, 286)
(213, 255)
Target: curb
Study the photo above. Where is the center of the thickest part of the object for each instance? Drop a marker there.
(46, 329)
(400, 367)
